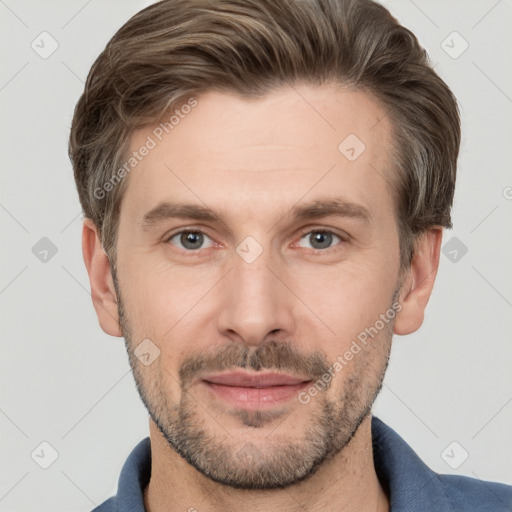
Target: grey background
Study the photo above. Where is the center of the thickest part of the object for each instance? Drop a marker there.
(65, 382)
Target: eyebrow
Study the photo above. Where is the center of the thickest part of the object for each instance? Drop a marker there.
(319, 208)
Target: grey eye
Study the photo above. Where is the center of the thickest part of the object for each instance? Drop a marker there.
(190, 240)
(320, 239)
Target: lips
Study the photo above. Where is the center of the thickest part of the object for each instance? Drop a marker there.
(247, 380)
(254, 391)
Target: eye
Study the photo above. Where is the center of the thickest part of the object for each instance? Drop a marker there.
(190, 240)
(321, 239)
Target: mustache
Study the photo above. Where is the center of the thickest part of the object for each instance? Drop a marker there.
(272, 355)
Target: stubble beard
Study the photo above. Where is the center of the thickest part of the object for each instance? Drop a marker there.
(277, 461)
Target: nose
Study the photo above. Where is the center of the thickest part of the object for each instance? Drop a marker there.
(255, 303)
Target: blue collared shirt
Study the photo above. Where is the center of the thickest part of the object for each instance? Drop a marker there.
(409, 483)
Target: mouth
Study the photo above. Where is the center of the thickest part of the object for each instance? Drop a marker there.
(254, 391)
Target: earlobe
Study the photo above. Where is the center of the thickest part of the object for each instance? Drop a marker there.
(419, 281)
(100, 277)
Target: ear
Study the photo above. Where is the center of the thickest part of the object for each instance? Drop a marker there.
(419, 281)
(100, 277)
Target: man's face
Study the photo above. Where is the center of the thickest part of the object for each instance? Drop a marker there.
(251, 309)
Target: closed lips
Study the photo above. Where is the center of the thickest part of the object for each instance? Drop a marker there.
(247, 380)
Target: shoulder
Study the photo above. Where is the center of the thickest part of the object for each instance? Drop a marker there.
(107, 506)
(412, 485)
(476, 495)
(134, 477)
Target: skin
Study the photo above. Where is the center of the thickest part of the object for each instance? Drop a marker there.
(252, 161)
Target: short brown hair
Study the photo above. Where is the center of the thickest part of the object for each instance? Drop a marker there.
(174, 49)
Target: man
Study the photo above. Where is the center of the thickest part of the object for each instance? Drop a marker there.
(265, 186)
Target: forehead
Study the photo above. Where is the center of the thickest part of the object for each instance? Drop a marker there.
(244, 156)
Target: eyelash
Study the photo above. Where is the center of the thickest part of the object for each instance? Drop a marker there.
(303, 232)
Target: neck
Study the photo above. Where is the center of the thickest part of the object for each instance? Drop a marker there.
(347, 482)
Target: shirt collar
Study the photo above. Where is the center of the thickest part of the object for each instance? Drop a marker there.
(408, 481)
(134, 478)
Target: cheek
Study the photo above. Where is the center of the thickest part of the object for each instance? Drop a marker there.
(346, 298)
(157, 295)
